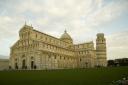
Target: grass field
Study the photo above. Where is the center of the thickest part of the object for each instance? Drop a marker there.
(92, 76)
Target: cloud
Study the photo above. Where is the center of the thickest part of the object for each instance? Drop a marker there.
(117, 44)
(107, 13)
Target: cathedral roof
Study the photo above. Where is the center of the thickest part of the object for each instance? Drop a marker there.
(25, 27)
(65, 36)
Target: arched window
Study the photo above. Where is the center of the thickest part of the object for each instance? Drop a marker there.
(16, 66)
(32, 58)
(102, 41)
(80, 59)
(54, 57)
(23, 56)
(36, 35)
(32, 64)
(23, 64)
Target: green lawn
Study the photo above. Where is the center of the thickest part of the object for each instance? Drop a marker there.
(93, 76)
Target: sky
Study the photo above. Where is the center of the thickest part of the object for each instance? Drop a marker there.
(82, 19)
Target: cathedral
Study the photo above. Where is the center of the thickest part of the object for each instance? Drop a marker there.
(35, 50)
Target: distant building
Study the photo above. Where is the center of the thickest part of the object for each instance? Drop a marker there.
(118, 62)
(111, 63)
(4, 64)
(37, 50)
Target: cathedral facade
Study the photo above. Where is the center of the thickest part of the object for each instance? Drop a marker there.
(37, 50)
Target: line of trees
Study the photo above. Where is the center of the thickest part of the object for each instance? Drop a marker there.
(118, 62)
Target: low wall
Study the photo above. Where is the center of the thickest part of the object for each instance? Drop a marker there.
(4, 64)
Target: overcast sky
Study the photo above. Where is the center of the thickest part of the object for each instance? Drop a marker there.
(82, 19)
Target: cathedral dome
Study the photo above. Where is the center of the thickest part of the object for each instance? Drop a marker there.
(66, 37)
